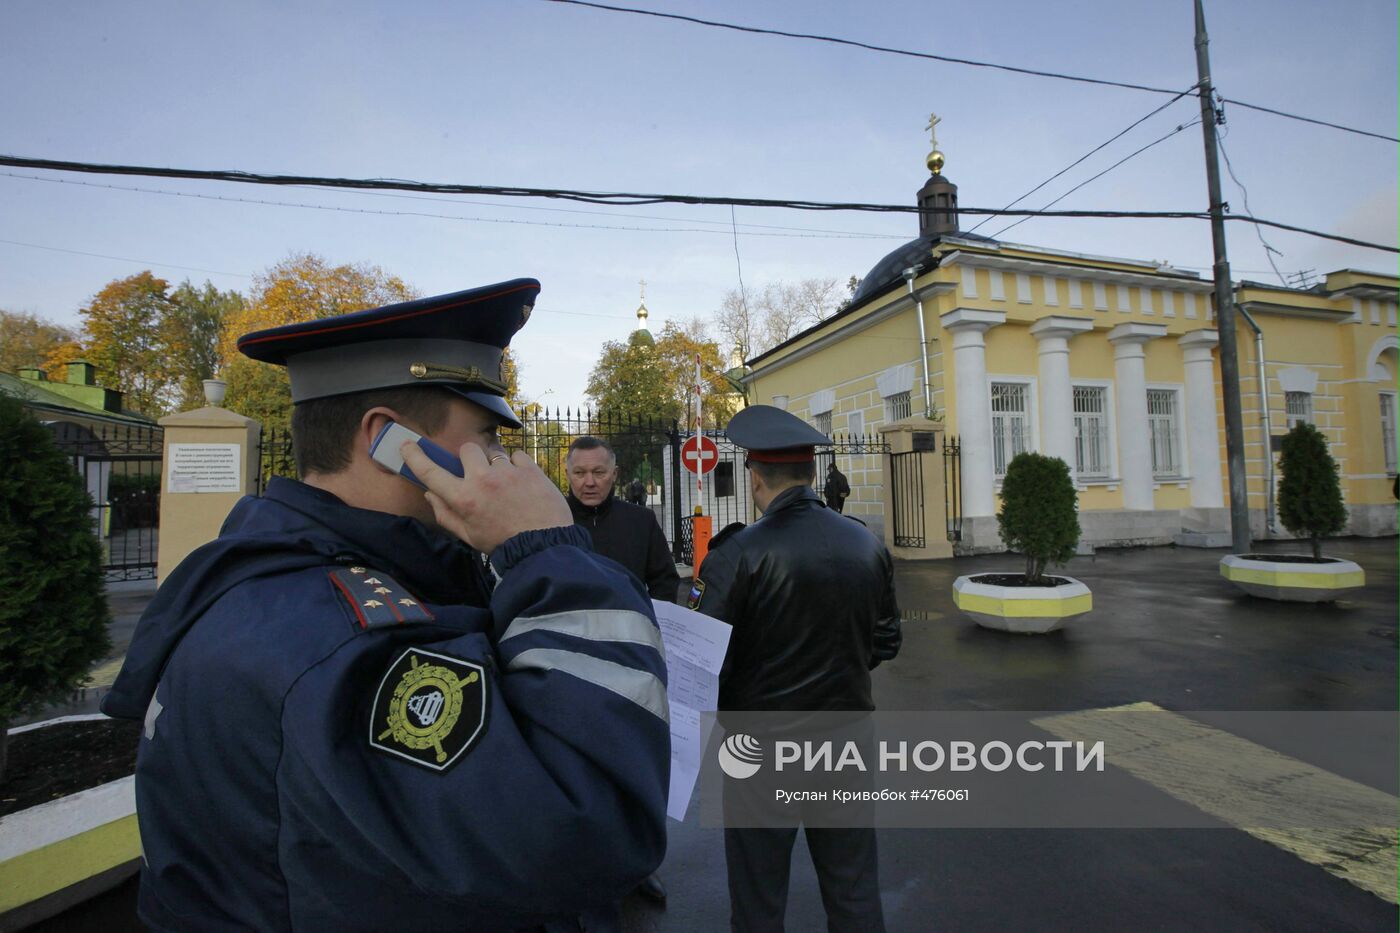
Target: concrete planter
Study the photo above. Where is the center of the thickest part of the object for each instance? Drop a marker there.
(1028, 610)
(65, 851)
(1292, 581)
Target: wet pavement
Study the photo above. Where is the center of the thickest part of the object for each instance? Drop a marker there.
(1166, 628)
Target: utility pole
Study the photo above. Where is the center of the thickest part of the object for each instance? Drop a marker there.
(1224, 305)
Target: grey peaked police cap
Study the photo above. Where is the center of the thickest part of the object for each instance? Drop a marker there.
(454, 341)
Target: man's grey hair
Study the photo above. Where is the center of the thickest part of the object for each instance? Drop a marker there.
(588, 442)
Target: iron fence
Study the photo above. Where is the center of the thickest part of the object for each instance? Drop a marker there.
(648, 451)
(952, 487)
(907, 498)
(120, 467)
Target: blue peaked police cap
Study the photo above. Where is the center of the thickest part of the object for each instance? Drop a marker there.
(772, 435)
(453, 341)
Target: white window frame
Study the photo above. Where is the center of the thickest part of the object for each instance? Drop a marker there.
(1110, 445)
(893, 406)
(1032, 415)
(1177, 429)
(1305, 403)
(855, 423)
(1388, 430)
(822, 422)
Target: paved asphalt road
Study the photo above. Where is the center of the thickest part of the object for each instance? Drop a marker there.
(1165, 629)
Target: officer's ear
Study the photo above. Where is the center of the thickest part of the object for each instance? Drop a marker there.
(371, 423)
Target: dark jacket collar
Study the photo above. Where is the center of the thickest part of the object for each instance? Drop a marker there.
(791, 498)
(404, 548)
(590, 511)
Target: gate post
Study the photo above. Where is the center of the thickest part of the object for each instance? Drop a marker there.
(925, 437)
(210, 461)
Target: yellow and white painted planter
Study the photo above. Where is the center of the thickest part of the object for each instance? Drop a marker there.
(1292, 582)
(1029, 610)
(63, 852)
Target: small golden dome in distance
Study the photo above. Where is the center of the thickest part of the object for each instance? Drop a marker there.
(935, 162)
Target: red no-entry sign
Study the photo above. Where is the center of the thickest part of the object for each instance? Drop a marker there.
(699, 454)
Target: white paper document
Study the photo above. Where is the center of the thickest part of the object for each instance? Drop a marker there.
(695, 646)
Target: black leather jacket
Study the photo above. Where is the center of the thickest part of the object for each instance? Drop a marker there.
(810, 594)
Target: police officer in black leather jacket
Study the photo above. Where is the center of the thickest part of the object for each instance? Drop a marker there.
(810, 594)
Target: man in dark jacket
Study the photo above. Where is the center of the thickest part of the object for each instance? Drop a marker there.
(350, 721)
(627, 533)
(836, 488)
(810, 595)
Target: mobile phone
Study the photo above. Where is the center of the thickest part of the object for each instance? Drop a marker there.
(385, 451)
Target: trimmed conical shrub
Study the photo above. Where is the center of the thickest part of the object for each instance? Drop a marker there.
(1310, 492)
(1039, 514)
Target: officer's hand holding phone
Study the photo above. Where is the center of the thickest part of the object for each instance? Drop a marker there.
(497, 496)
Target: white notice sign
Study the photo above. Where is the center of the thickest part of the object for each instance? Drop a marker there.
(205, 468)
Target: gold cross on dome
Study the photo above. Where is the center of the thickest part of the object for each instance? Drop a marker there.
(932, 127)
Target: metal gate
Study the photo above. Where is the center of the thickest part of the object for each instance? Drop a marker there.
(952, 487)
(120, 467)
(275, 456)
(641, 446)
(907, 498)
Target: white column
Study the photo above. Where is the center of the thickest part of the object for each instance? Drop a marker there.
(1202, 431)
(1056, 394)
(968, 327)
(1134, 437)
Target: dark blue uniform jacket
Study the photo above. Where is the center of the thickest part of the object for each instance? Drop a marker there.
(348, 727)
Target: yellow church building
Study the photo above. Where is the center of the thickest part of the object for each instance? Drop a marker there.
(1111, 364)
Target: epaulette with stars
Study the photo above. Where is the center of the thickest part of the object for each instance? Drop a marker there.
(376, 598)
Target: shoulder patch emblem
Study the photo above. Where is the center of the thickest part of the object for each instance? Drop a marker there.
(376, 598)
(430, 709)
(697, 593)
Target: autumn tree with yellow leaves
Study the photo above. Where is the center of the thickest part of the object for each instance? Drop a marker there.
(301, 288)
(648, 378)
(27, 340)
(122, 337)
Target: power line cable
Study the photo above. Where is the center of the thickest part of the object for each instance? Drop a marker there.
(485, 220)
(140, 262)
(627, 198)
(1303, 119)
(739, 264)
(1269, 250)
(1104, 172)
(949, 59)
(575, 210)
(1119, 135)
(863, 45)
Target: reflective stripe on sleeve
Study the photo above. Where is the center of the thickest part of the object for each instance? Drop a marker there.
(640, 687)
(623, 625)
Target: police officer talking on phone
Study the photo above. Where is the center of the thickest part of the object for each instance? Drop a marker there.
(351, 721)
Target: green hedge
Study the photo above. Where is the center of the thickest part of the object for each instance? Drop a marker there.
(54, 616)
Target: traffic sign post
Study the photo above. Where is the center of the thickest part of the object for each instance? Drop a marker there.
(699, 454)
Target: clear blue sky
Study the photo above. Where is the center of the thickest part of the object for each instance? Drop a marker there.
(524, 92)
